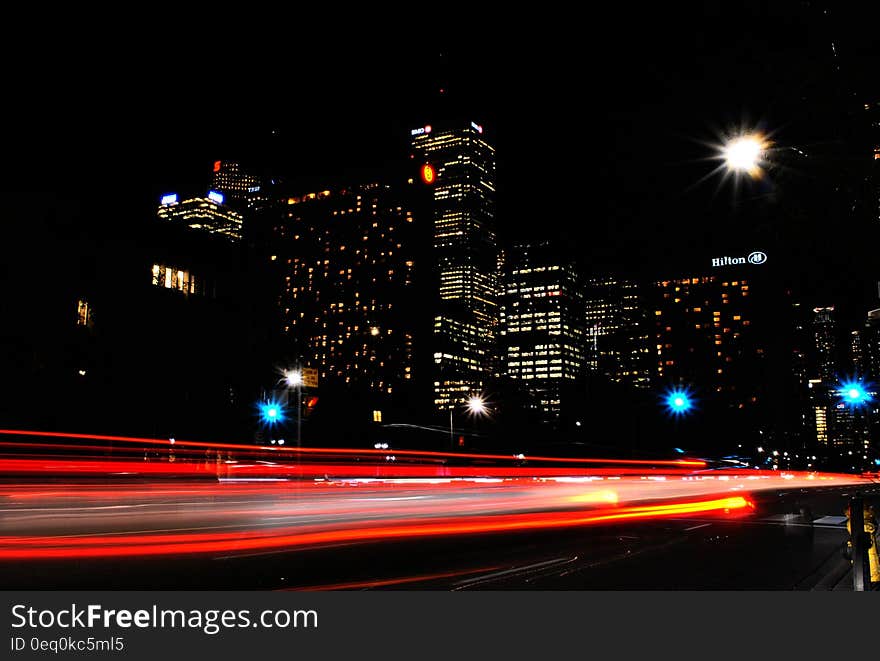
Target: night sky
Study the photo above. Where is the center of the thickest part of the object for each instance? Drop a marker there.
(600, 122)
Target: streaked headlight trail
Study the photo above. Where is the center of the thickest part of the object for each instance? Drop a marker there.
(146, 498)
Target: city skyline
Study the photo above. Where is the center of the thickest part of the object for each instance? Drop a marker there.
(535, 303)
(638, 199)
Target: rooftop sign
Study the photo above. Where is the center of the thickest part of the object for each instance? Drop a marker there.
(756, 258)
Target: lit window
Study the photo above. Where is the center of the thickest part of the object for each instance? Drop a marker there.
(83, 313)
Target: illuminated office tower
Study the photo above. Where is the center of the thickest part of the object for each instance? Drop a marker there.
(872, 110)
(459, 165)
(238, 187)
(704, 339)
(871, 346)
(207, 214)
(619, 337)
(847, 428)
(801, 383)
(844, 427)
(347, 259)
(823, 369)
(825, 357)
(542, 330)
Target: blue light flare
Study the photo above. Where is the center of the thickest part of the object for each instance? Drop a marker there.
(854, 392)
(678, 401)
(271, 413)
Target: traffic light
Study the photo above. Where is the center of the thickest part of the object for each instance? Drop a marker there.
(309, 405)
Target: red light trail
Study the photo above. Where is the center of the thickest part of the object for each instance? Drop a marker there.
(149, 498)
(420, 454)
(103, 546)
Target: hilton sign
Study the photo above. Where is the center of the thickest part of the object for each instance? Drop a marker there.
(756, 257)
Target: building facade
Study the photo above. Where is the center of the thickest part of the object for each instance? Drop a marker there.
(208, 214)
(459, 165)
(239, 188)
(542, 333)
(619, 337)
(346, 260)
(703, 336)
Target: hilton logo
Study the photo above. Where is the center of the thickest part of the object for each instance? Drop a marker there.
(756, 257)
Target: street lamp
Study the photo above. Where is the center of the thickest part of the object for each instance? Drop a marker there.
(475, 404)
(294, 379)
(854, 393)
(743, 153)
(678, 401)
(271, 412)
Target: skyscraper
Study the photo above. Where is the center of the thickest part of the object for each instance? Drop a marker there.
(459, 164)
(542, 324)
(703, 336)
(619, 337)
(845, 427)
(207, 214)
(708, 341)
(824, 331)
(347, 260)
(237, 186)
(871, 346)
(823, 371)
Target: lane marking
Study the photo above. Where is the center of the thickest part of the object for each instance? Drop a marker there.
(831, 520)
(517, 570)
(702, 525)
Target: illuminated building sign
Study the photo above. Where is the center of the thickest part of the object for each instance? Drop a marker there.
(428, 173)
(476, 127)
(217, 166)
(756, 257)
(214, 196)
(171, 198)
(421, 130)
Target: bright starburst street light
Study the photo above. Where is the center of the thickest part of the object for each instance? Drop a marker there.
(745, 153)
(293, 378)
(678, 401)
(271, 413)
(854, 393)
(476, 405)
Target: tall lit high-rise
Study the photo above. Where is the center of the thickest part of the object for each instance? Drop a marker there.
(707, 342)
(207, 214)
(824, 330)
(838, 425)
(542, 325)
(459, 164)
(619, 338)
(703, 336)
(239, 188)
(346, 260)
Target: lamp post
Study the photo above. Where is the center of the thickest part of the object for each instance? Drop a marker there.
(295, 380)
(745, 153)
(475, 404)
(451, 434)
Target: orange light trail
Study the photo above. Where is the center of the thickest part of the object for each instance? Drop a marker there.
(106, 546)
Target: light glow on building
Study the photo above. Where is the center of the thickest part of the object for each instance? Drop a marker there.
(205, 214)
